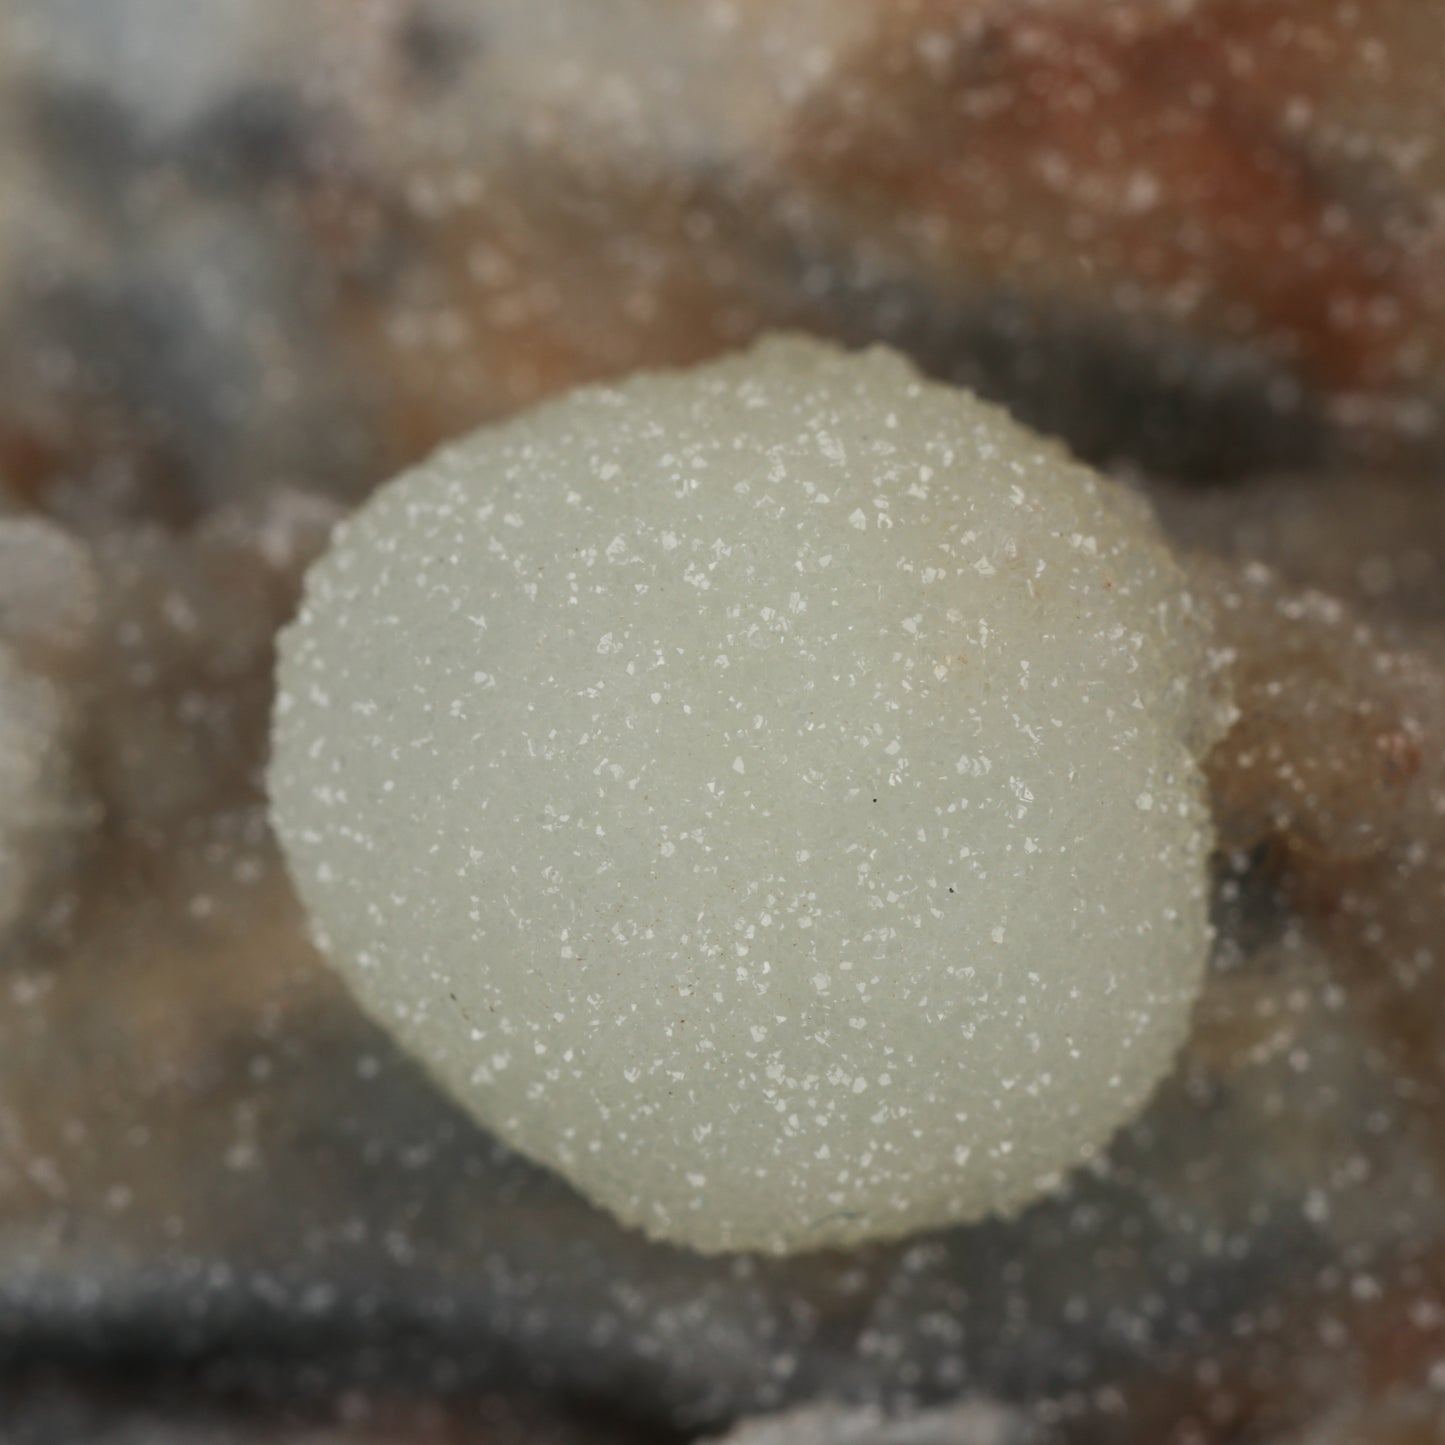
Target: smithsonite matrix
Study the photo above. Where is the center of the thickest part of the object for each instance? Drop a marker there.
(766, 793)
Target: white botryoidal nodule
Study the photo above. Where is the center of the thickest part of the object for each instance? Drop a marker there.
(767, 793)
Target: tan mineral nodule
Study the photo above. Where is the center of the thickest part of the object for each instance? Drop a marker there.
(768, 794)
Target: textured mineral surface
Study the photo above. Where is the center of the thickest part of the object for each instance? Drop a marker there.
(255, 260)
(707, 778)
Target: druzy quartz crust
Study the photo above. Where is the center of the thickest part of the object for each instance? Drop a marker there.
(767, 794)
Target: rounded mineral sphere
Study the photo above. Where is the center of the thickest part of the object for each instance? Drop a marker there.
(764, 793)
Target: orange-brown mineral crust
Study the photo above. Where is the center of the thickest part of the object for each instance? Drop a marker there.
(1228, 166)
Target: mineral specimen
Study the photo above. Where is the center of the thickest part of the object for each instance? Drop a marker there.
(767, 794)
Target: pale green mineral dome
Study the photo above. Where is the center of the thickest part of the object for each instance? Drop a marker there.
(766, 793)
